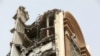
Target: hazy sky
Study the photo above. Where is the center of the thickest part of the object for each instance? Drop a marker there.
(86, 12)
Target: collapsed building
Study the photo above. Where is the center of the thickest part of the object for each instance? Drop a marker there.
(55, 33)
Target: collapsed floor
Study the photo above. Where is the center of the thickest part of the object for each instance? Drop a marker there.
(38, 38)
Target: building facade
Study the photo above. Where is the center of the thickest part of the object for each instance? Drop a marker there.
(55, 33)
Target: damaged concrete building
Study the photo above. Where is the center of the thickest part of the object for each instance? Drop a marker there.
(55, 33)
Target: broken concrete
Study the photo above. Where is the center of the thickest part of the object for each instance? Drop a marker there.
(55, 33)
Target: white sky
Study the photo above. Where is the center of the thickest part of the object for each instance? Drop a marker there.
(86, 12)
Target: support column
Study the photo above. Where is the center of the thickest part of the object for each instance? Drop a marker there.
(20, 18)
(47, 21)
(59, 34)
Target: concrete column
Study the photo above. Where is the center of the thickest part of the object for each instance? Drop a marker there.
(59, 34)
(20, 18)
